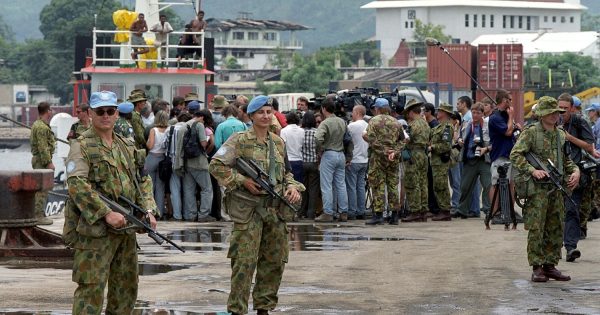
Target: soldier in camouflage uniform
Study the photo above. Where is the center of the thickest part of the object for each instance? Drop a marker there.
(259, 239)
(83, 113)
(544, 210)
(139, 102)
(415, 171)
(384, 135)
(43, 144)
(101, 161)
(441, 144)
(123, 125)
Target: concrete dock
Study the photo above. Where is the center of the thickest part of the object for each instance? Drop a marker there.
(454, 267)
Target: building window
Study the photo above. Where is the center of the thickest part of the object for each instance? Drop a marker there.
(554, 19)
(520, 22)
(545, 19)
(474, 20)
(504, 21)
(412, 14)
(238, 54)
(117, 88)
(529, 23)
(483, 20)
(563, 19)
(512, 21)
(466, 20)
(491, 20)
(412, 24)
(152, 91)
(253, 35)
(572, 19)
(238, 35)
(406, 24)
(270, 36)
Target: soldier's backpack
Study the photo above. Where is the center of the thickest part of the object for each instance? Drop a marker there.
(191, 142)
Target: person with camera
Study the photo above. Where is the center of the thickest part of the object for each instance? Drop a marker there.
(544, 208)
(439, 148)
(384, 135)
(579, 138)
(475, 148)
(415, 158)
(593, 112)
(503, 132)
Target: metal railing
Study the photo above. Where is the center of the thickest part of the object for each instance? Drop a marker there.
(128, 45)
(250, 43)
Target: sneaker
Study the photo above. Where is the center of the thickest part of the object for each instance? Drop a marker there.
(573, 254)
(205, 219)
(324, 217)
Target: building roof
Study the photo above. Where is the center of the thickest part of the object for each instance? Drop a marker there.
(223, 25)
(383, 4)
(548, 42)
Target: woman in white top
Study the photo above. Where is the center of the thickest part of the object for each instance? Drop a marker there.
(157, 146)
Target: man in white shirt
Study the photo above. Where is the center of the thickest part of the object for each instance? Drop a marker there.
(161, 31)
(293, 136)
(356, 171)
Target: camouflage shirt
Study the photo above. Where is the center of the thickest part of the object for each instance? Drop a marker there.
(245, 144)
(542, 143)
(110, 170)
(43, 144)
(441, 142)
(76, 130)
(138, 130)
(384, 133)
(419, 134)
(123, 127)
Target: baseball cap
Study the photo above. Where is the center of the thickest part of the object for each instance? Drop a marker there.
(381, 102)
(193, 106)
(593, 107)
(103, 98)
(576, 101)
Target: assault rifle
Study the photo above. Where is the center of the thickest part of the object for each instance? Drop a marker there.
(114, 206)
(554, 176)
(249, 168)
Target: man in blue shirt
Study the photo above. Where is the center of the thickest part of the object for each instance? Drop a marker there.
(229, 126)
(503, 132)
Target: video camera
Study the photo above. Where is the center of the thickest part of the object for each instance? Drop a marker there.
(503, 170)
(588, 163)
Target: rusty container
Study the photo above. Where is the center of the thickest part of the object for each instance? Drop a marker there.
(500, 66)
(441, 68)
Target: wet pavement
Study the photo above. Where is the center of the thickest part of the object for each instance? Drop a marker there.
(425, 268)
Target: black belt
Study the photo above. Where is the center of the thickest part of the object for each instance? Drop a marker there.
(334, 150)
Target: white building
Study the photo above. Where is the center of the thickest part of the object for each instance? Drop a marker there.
(582, 43)
(254, 43)
(465, 20)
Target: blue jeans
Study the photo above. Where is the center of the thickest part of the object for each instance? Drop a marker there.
(297, 170)
(151, 166)
(176, 201)
(190, 180)
(454, 175)
(355, 186)
(332, 171)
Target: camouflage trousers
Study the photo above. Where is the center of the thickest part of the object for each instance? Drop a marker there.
(115, 262)
(544, 217)
(380, 176)
(260, 244)
(591, 193)
(415, 181)
(41, 197)
(440, 185)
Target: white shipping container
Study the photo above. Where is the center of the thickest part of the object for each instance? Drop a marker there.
(288, 101)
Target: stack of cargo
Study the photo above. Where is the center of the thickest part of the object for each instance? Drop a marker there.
(441, 69)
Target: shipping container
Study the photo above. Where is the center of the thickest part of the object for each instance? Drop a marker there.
(442, 69)
(500, 66)
(518, 101)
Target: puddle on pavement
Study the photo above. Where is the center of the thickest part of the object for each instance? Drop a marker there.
(153, 269)
(145, 269)
(302, 237)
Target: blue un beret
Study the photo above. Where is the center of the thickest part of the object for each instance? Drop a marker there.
(125, 107)
(257, 102)
(381, 102)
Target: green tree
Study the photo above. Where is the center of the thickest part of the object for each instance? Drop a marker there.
(583, 71)
(311, 74)
(590, 22)
(422, 31)
(231, 63)
(6, 32)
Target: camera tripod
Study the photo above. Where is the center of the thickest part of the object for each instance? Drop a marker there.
(505, 208)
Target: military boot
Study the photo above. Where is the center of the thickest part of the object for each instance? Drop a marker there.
(376, 219)
(443, 215)
(262, 312)
(551, 272)
(393, 218)
(538, 274)
(413, 217)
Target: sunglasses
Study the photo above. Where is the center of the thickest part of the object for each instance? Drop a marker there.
(100, 111)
